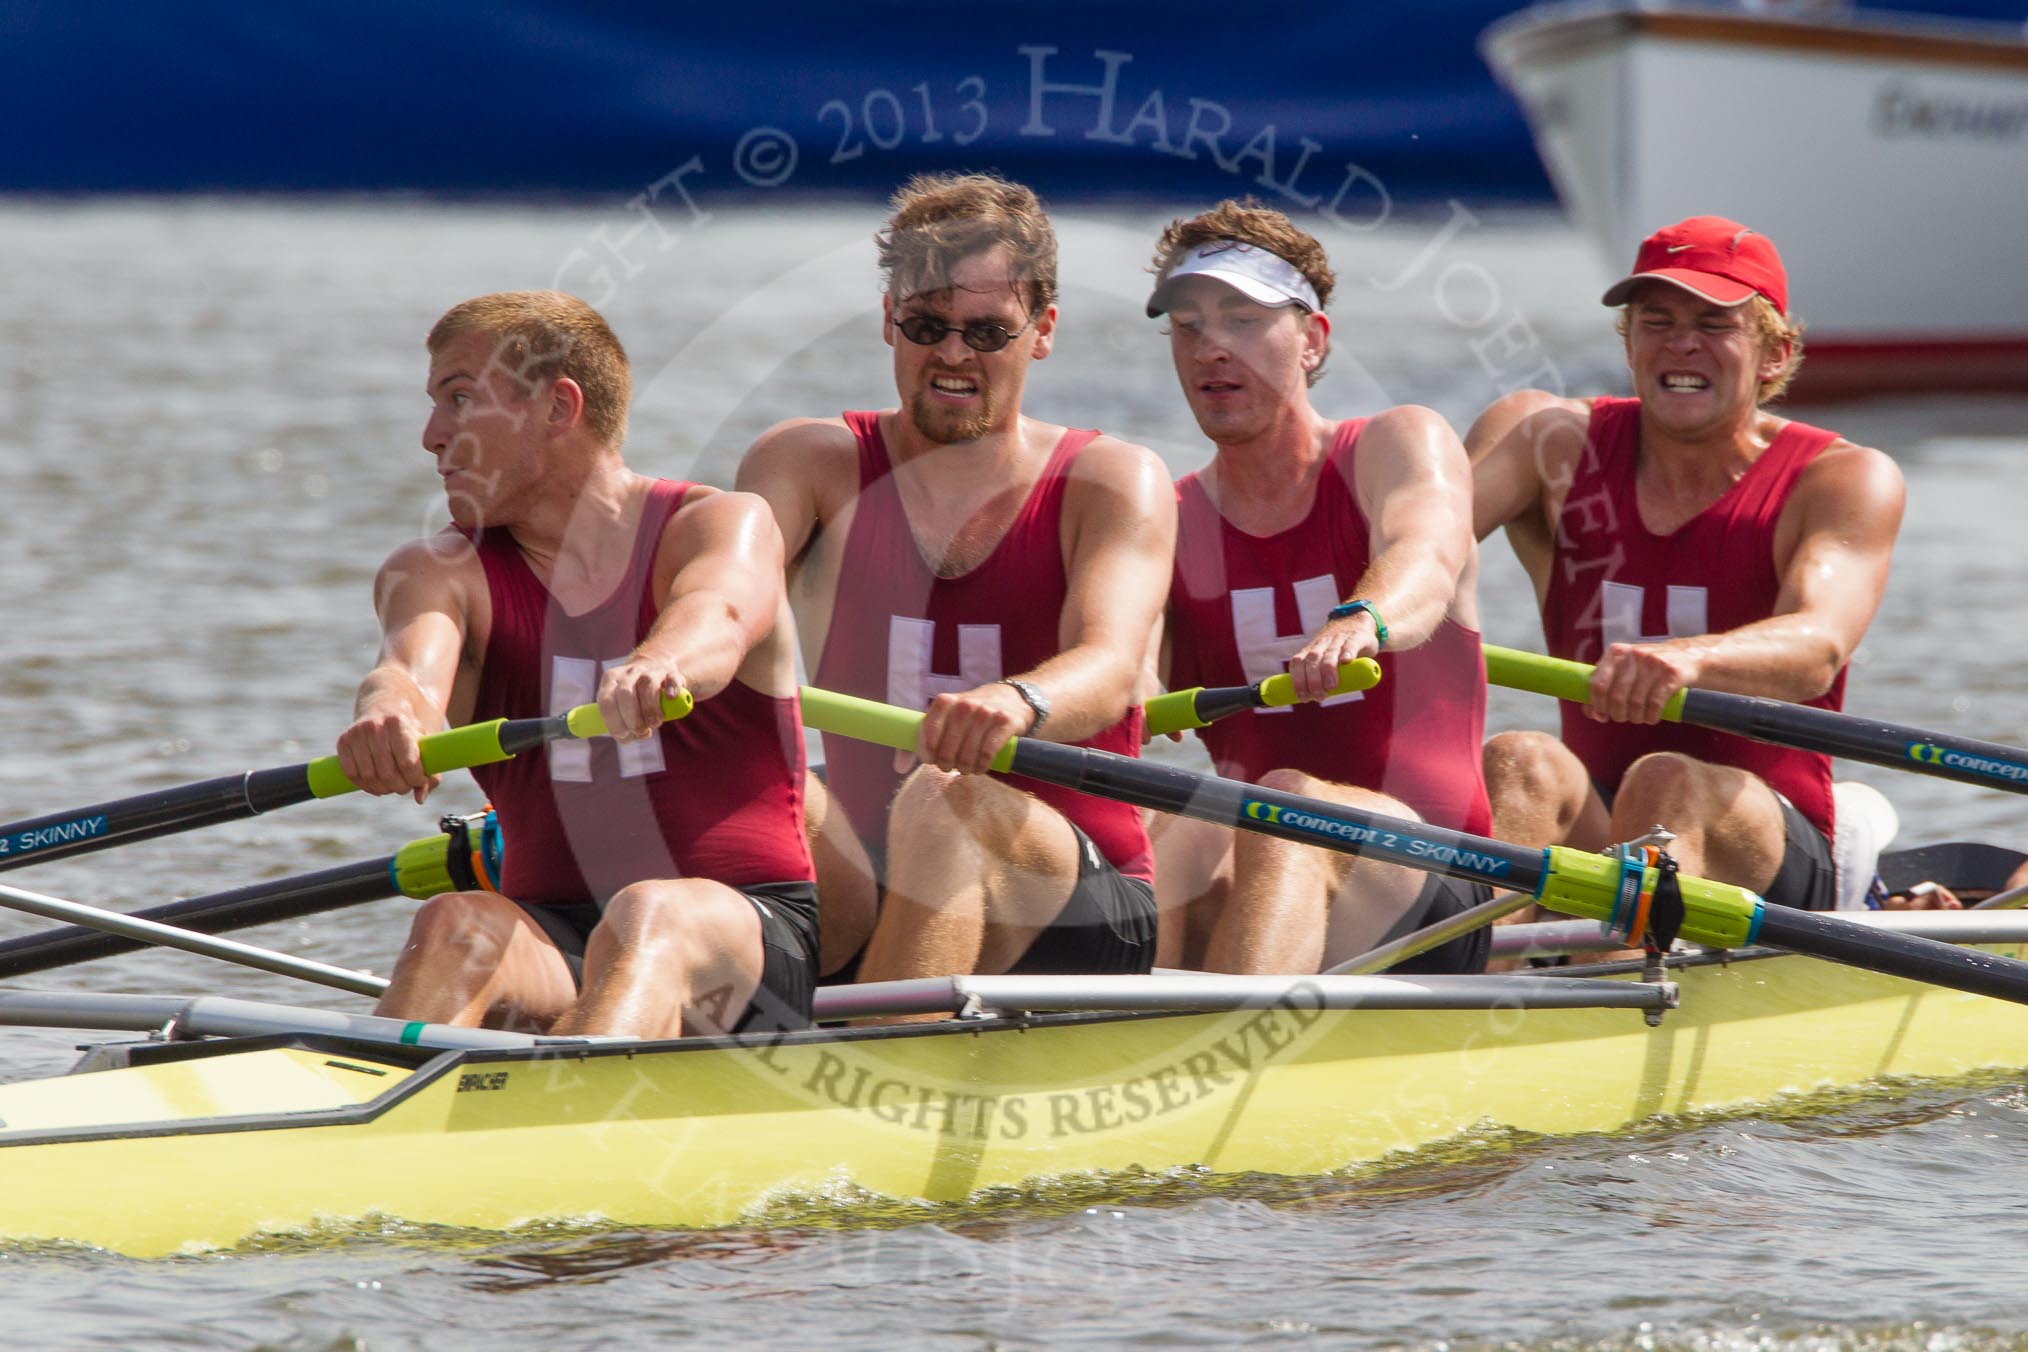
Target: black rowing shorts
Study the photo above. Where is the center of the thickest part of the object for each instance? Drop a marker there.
(788, 916)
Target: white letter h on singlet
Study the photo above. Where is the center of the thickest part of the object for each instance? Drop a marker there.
(1687, 613)
(910, 682)
(1262, 651)
(574, 681)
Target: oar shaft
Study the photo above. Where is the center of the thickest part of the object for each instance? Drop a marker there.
(1589, 885)
(1823, 936)
(81, 830)
(464, 856)
(1273, 812)
(1968, 761)
(35, 840)
(263, 903)
(1964, 759)
(148, 931)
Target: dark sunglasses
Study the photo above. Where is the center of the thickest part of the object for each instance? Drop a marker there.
(984, 336)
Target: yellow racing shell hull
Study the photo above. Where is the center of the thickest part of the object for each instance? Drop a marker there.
(212, 1144)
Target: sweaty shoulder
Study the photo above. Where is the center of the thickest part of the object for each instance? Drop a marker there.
(717, 518)
(444, 557)
(1410, 426)
(807, 469)
(1526, 416)
(1866, 478)
(812, 451)
(1522, 449)
(439, 573)
(1123, 469)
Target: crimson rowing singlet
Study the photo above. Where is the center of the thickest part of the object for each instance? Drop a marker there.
(901, 634)
(1612, 581)
(717, 794)
(1240, 606)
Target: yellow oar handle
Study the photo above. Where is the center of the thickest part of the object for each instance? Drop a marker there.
(442, 752)
(479, 744)
(1198, 707)
(866, 720)
(586, 720)
(1555, 677)
(1278, 691)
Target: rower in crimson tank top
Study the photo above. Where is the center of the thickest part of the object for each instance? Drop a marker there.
(901, 634)
(1241, 605)
(1611, 580)
(717, 794)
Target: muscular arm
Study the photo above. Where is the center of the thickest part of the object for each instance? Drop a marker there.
(1120, 532)
(789, 467)
(722, 599)
(1833, 544)
(1413, 486)
(421, 597)
(1524, 451)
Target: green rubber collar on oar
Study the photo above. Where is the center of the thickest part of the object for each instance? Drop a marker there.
(442, 752)
(1177, 710)
(1555, 677)
(586, 720)
(1718, 915)
(422, 868)
(866, 720)
(465, 856)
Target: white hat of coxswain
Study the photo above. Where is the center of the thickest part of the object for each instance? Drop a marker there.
(1264, 277)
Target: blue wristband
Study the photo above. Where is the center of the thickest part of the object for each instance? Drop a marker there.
(1340, 611)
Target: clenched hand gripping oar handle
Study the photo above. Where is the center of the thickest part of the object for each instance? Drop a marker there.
(1716, 914)
(232, 797)
(487, 743)
(1199, 707)
(1988, 764)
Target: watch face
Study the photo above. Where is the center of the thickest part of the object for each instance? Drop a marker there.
(1033, 698)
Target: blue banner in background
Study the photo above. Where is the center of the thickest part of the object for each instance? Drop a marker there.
(536, 97)
(544, 96)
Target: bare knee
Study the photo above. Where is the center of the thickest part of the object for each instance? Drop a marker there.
(1665, 782)
(463, 919)
(931, 802)
(928, 791)
(1290, 781)
(1533, 764)
(1348, 795)
(1539, 791)
(645, 919)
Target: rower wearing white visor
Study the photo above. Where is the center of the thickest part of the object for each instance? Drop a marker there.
(1305, 543)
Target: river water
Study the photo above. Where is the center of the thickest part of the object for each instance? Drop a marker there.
(209, 415)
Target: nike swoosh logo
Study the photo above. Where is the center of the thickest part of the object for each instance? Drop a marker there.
(1679, 248)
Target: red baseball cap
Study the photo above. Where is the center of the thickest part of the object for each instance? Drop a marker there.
(1719, 260)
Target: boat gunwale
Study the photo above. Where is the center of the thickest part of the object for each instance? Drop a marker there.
(433, 1066)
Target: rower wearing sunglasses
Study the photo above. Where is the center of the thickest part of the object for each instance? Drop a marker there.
(1003, 574)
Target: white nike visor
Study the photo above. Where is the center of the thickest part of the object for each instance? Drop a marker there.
(1263, 277)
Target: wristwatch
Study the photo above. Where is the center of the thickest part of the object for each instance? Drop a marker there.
(1033, 698)
(1344, 608)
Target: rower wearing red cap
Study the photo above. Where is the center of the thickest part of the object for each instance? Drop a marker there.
(1689, 537)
